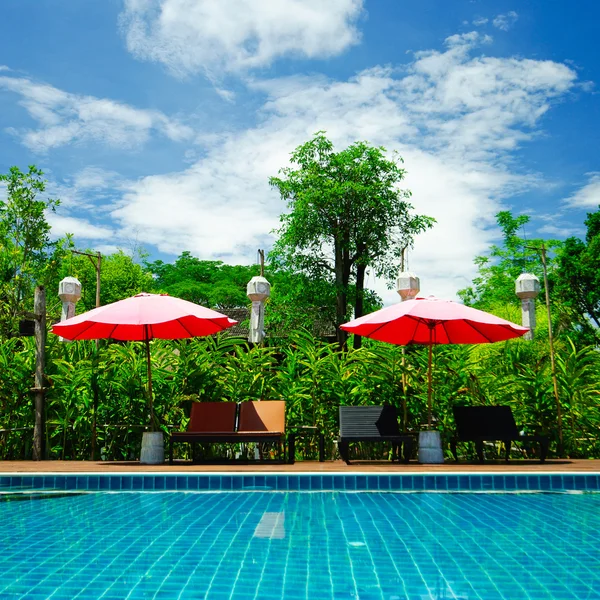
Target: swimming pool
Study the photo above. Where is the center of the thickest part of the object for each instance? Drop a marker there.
(61, 539)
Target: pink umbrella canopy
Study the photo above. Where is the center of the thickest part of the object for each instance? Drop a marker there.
(144, 317)
(433, 321)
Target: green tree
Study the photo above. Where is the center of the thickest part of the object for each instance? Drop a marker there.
(494, 284)
(120, 277)
(297, 301)
(578, 278)
(207, 282)
(25, 245)
(346, 214)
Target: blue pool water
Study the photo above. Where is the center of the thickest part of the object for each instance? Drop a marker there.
(324, 545)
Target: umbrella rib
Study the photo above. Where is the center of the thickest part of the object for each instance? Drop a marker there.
(472, 325)
(382, 325)
(89, 325)
(417, 322)
(217, 324)
(185, 328)
(443, 323)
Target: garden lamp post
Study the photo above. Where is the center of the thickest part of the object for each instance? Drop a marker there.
(408, 286)
(69, 291)
(527, 288)
(258, 290)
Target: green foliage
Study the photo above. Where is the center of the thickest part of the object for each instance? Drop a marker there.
(578, 279)
(343, 191)
(206, 282)
(314, 378)
(120, 277)
(346, 214)
(497, 271)
(25, 245)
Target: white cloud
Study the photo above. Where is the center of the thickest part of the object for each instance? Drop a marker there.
(88, 189)
(189, 36)
(561, 231)
(480, 21)
(66, 118)
(227, 95)
(80, 228)
(505, 22)
(587, 196)
(454, 117)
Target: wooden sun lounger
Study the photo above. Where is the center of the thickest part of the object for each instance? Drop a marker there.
(215, 422)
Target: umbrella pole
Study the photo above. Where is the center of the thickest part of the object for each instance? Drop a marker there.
(429, 386)
(149, 383)
(404, 404)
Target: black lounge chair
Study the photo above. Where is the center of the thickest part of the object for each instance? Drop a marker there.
(372, 424)
(491, 424)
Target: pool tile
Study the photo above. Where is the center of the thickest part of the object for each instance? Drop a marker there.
(373, 482)
(428, 482)
(115, 482)
(418, 482)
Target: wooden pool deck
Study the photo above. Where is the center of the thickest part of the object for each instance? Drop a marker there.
(335, 466)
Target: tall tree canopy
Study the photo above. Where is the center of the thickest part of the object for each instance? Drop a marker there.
(347, 213)
(25, 246)
(207, 282)
(494, 284)
(578, 277)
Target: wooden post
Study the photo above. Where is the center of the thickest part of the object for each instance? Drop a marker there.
(96, 359)
(98, 267)
(552, 362)
(261, 255)
(39, 309)
(404, 383)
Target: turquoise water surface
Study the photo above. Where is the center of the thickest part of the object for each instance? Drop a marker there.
(300, 545)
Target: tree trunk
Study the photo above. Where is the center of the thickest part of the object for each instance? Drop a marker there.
(360, 299)
(341, 297)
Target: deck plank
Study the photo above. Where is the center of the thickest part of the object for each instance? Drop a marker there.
(336, 466)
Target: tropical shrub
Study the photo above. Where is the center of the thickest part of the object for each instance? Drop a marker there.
(313, 377)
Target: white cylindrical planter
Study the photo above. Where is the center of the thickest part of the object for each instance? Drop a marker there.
(153, 448)
(430, 448)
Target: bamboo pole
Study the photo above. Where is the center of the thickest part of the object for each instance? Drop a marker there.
(39, 308)
(552, 361)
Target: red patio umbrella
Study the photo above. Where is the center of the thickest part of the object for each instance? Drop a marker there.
(433, 321)
(142, 318)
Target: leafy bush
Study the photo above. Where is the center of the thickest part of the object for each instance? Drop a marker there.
(312, 376)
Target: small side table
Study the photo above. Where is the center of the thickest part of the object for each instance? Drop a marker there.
(301, 431)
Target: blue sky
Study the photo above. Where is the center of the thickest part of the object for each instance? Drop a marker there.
(158, 122)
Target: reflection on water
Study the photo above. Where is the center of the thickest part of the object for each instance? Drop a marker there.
(20, 496)
(271, 525)
(317, 546)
